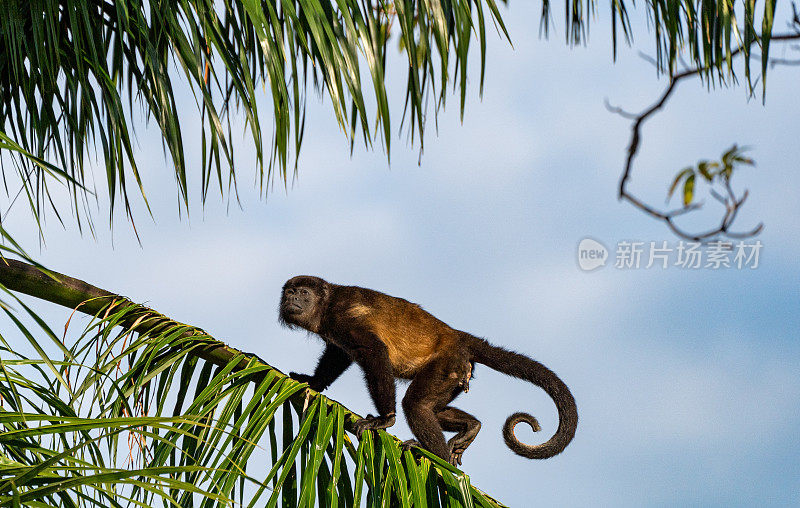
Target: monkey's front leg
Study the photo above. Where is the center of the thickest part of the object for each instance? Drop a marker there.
(372, 356)
(333, 362)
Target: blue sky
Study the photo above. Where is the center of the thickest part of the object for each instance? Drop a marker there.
(686, 380)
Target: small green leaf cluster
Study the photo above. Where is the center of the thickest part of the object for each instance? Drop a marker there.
(710, 171)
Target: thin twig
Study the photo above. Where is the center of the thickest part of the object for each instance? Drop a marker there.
(732, 204)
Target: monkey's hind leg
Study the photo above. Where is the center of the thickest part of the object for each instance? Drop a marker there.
(429, 393)
(455, 420)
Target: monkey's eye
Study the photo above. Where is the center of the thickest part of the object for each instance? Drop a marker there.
(304, 292)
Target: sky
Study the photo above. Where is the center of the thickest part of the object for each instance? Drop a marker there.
(686, 380)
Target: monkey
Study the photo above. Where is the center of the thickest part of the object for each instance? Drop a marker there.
(389, 337)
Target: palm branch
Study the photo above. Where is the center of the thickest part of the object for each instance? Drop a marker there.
(192, 414)
(76, 76)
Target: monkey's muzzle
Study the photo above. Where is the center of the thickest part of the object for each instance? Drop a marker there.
(292, 308)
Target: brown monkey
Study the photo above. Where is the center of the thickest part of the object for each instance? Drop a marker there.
(390, 337)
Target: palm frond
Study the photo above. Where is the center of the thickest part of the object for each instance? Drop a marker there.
(76, 75)
(57, 451)
(203, 421)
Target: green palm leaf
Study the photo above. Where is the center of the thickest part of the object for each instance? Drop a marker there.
(129, 374)
(75, 76)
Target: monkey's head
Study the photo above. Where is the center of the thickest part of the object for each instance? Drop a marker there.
(303, 302)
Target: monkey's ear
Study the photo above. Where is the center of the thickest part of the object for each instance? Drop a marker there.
(325, 292)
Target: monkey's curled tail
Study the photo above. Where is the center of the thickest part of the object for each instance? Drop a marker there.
(520, 366)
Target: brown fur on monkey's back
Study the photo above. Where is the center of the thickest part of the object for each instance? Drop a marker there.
(412, 335)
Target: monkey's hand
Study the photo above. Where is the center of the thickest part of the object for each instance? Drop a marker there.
(373, 422)
(409, 444)
(305, 378)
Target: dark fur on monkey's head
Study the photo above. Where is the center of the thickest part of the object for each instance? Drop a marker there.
(304, 300)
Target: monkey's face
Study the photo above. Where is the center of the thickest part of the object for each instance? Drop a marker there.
(302, 302)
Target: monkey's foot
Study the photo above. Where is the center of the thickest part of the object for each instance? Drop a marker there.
(458, 444)
(455, 456)
(408, 445)
(305, 378)
(300, 378)
(373, 422)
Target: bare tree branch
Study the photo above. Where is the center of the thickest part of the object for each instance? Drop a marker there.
(731, 202)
